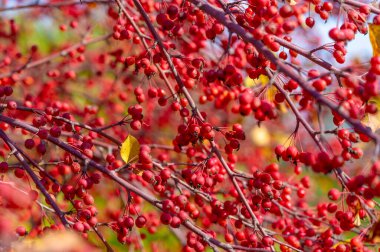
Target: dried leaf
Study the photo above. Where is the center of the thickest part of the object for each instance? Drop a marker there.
(130, 149)
(373, 120)
(374, 233)
(357, 221)
(374, 37)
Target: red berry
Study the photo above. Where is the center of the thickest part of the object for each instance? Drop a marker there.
(310, 22)
(140, 221)
(334, 194)
(21, 231)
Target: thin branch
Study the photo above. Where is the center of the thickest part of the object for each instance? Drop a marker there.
(282, 67)
(62, 53)
(52, 5)
(112, 175)
(101, 237)
(195, 110)
(34, 177)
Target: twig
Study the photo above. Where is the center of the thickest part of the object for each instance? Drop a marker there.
(53, 5)
(34, 177)
(62, 53)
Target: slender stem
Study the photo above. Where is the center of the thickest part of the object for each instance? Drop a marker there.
(145, 44)
(284, 68)
(73, 123)
(113, 176)
(87, 127)
(52, 5)
(62, 53)
(298, 115)
(101, 237)
(358, 4)
(34, 177)
(195, 110)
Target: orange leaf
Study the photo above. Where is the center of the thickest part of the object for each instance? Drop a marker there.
(374, 37)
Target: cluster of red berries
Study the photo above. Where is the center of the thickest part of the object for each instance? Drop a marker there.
(263, 109)
(193, 132)
(205, 176)
(136, 112)
(124, 225)
(228, 76)
(234, 136)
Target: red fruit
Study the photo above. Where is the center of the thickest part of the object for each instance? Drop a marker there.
(43, 133)
(165, 174)
(33, 195)
(129, 222)
(12, 105)
(136, 125)
(29, 143)
(88, 199)
(292, 152)
(240, 236)
(8, 90)
(19, 173)
(327, 6)
(21, 231)
(140, 221)
(319, 85)
(166, 218)
(310, 22)
(175, 222)
(78, 226)
(301, 193)
(334, 194)
(228, 237)
(167, 205)
(279, 150)
(3, 167)
(55, 131)
(267, 241)
(148, 176)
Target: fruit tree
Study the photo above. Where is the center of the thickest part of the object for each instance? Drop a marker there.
(193, 125)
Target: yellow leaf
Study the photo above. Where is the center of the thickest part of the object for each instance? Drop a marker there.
(341, 242)
(374, 37)
(138, 172)
(373, 120)
(292, 2)
(130, 149)
(248, 82)
(357, 221)
(259, 82)
(374, 233)
(261, 85)
(263, 79)
(260, 136)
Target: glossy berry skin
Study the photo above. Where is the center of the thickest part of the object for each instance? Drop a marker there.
(310, 22)
(140, 221)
